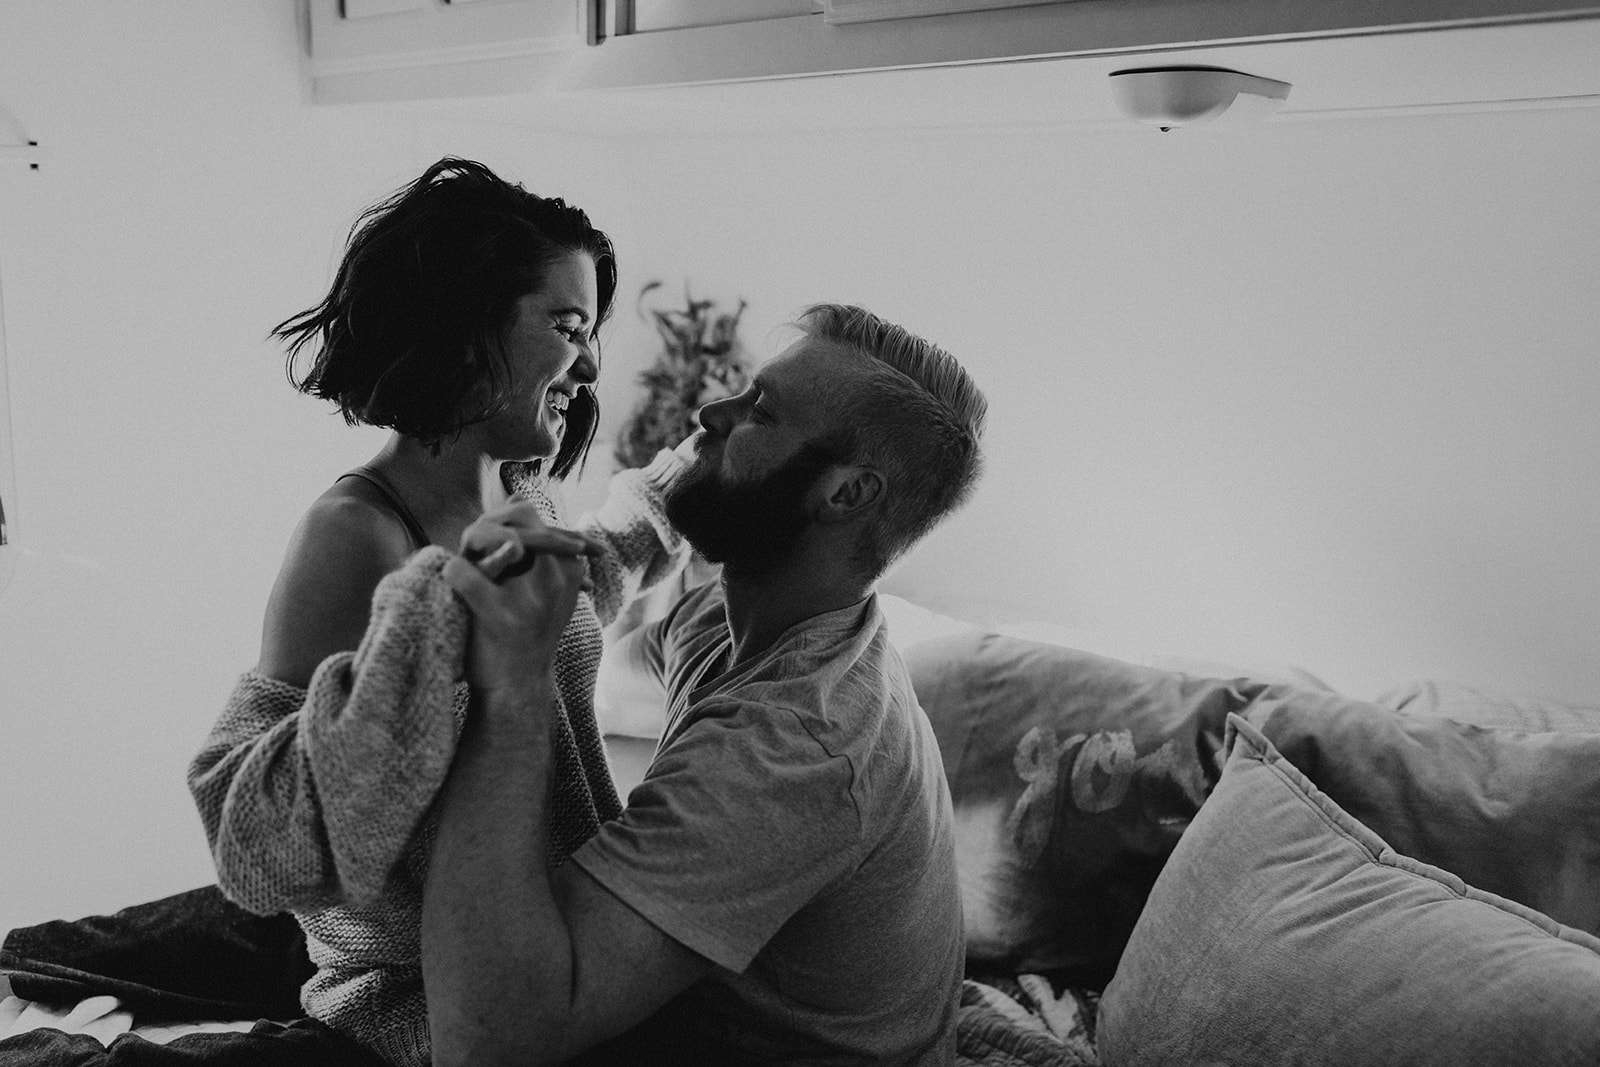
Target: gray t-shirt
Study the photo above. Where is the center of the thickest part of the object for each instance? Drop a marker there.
(795, 830)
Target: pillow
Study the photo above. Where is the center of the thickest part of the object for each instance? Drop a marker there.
(1451, 700)
(1211, 663)
(1284, 931)
(1073, 776)
(911, 624)
(1513, 813)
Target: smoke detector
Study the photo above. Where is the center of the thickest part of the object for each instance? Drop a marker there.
(1185, 96)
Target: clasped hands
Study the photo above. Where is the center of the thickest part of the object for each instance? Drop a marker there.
(520, 579)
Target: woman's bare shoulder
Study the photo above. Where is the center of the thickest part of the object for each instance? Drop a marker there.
(342, 547)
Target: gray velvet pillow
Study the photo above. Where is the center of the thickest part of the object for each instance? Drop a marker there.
(1282, 930)
(1512, 812)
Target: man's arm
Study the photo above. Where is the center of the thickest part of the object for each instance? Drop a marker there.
(522, 964)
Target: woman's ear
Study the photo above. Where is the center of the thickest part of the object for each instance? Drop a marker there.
(845, 492)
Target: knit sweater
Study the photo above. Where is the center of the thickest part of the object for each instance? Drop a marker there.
(319, 801)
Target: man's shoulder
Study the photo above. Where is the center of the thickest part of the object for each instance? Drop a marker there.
(696, 611)
(853, 670)
(836, 683)
(858, 707)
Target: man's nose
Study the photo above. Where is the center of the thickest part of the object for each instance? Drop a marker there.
(717, 416)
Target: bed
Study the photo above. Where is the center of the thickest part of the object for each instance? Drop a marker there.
(1165, 859)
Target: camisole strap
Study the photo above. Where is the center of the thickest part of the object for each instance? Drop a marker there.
(419, 537)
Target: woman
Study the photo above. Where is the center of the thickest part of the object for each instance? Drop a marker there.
(463, 318)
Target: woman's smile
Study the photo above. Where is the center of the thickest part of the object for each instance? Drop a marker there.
(548, 341)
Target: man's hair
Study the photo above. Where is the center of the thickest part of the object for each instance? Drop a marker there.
(919, 419)
(409, 335)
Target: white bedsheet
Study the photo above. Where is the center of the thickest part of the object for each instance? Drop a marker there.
(102, 1018)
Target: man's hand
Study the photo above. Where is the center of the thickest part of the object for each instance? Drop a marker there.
(520, 579)
(504, 539)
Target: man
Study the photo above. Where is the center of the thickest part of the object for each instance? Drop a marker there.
(786, 869)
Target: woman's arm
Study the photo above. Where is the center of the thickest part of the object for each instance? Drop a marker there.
(322, 599)
(639, 547)
(312, 780)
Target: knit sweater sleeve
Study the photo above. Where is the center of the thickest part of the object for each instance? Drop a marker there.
(641, 546)
(309, 797)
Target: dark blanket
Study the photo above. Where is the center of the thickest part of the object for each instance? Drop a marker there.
(186, 958)
(302, 1043)
(195, 956)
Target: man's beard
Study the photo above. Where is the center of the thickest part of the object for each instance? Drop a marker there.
(748, 527)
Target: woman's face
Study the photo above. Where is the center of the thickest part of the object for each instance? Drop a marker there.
(549, 351)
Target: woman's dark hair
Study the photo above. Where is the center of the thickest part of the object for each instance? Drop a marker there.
(409, 336)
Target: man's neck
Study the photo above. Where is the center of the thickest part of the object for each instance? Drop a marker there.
(762, 606)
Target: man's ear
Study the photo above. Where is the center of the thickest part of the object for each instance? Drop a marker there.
(844, 492)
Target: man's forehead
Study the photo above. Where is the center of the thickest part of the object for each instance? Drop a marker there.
(809, 364)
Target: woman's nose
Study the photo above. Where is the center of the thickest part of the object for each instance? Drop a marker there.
(586, 368)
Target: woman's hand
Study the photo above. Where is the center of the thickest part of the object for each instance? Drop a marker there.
(520, 579)
(503, 541)
(689, 447)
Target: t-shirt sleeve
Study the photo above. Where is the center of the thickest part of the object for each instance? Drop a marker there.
(743, 818)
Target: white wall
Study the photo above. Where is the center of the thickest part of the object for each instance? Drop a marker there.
(1319, 389)
(1323, 391)
(190, 200)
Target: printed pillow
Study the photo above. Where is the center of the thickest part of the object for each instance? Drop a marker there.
(1073, 776)
(1284, 931)
(1511, 812)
